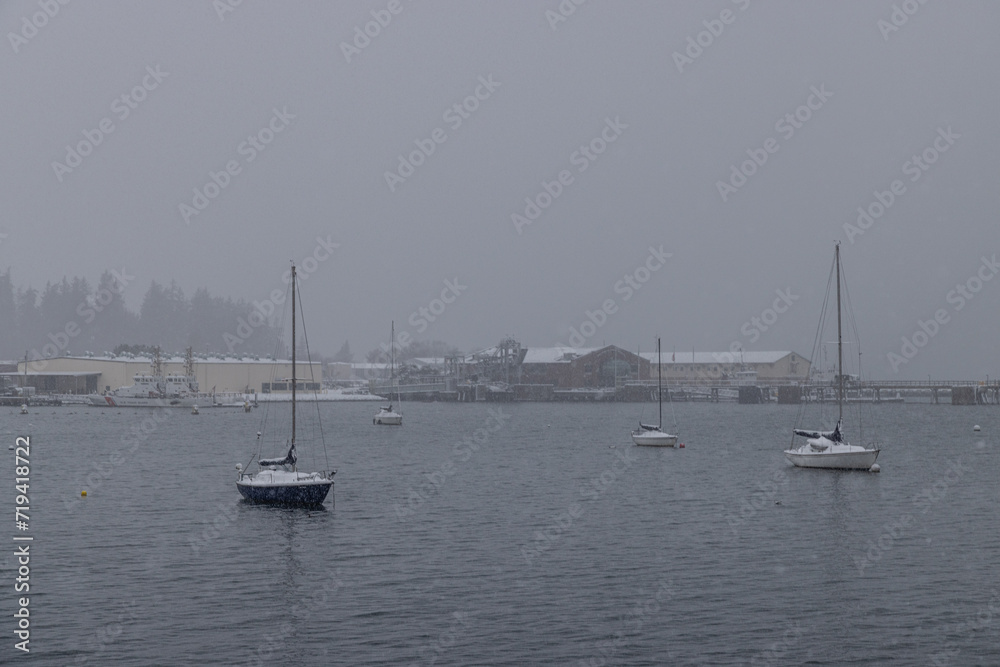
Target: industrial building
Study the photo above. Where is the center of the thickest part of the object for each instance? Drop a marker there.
(779, 367)
(610, 366)
(87, 375)
(572, 368)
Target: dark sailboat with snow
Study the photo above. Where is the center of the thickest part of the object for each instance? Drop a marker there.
(278, 481)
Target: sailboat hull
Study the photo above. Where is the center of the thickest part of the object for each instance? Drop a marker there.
(282, 487)
(388, 419)
(654, 439)
(285, 494)
(842, 457)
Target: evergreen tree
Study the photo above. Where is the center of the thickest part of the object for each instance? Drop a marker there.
(344, 355)
(8, 318)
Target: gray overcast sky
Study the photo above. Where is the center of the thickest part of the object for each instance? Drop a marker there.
(662, 132)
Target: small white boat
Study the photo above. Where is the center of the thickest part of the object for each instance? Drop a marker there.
(386, 416)
(654, 436)
(826, 449)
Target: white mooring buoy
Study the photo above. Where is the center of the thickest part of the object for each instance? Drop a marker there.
(976, 428)
(875, 468)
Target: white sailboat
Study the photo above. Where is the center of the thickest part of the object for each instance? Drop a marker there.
(278, 481)
(386, 416)
(654, 436)
(828, 449)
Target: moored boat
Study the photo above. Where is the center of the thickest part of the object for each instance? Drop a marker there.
(647, 435)
(386, 416)
(828, 449)
(278, 480)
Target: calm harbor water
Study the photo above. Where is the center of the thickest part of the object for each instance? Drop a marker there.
(536, 535)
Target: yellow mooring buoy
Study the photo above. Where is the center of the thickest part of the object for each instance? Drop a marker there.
(83, 493)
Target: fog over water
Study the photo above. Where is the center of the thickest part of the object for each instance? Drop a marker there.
(525, 163)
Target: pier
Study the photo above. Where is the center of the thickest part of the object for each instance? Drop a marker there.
(955, 392)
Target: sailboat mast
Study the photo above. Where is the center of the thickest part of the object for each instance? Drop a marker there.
(294, 381)
(840, 344)
(659, 379)
(392, 357)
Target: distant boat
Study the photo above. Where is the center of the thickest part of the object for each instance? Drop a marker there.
(386, 416)
(654, 436)
(828, 449)
(278, 481)
(156, 390)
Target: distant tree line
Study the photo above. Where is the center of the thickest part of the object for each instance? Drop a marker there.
(75, 317)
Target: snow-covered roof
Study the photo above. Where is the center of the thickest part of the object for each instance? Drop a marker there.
(747, 357)
(553, 355)
(181, 360)
(52, 373)
(426, 361)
